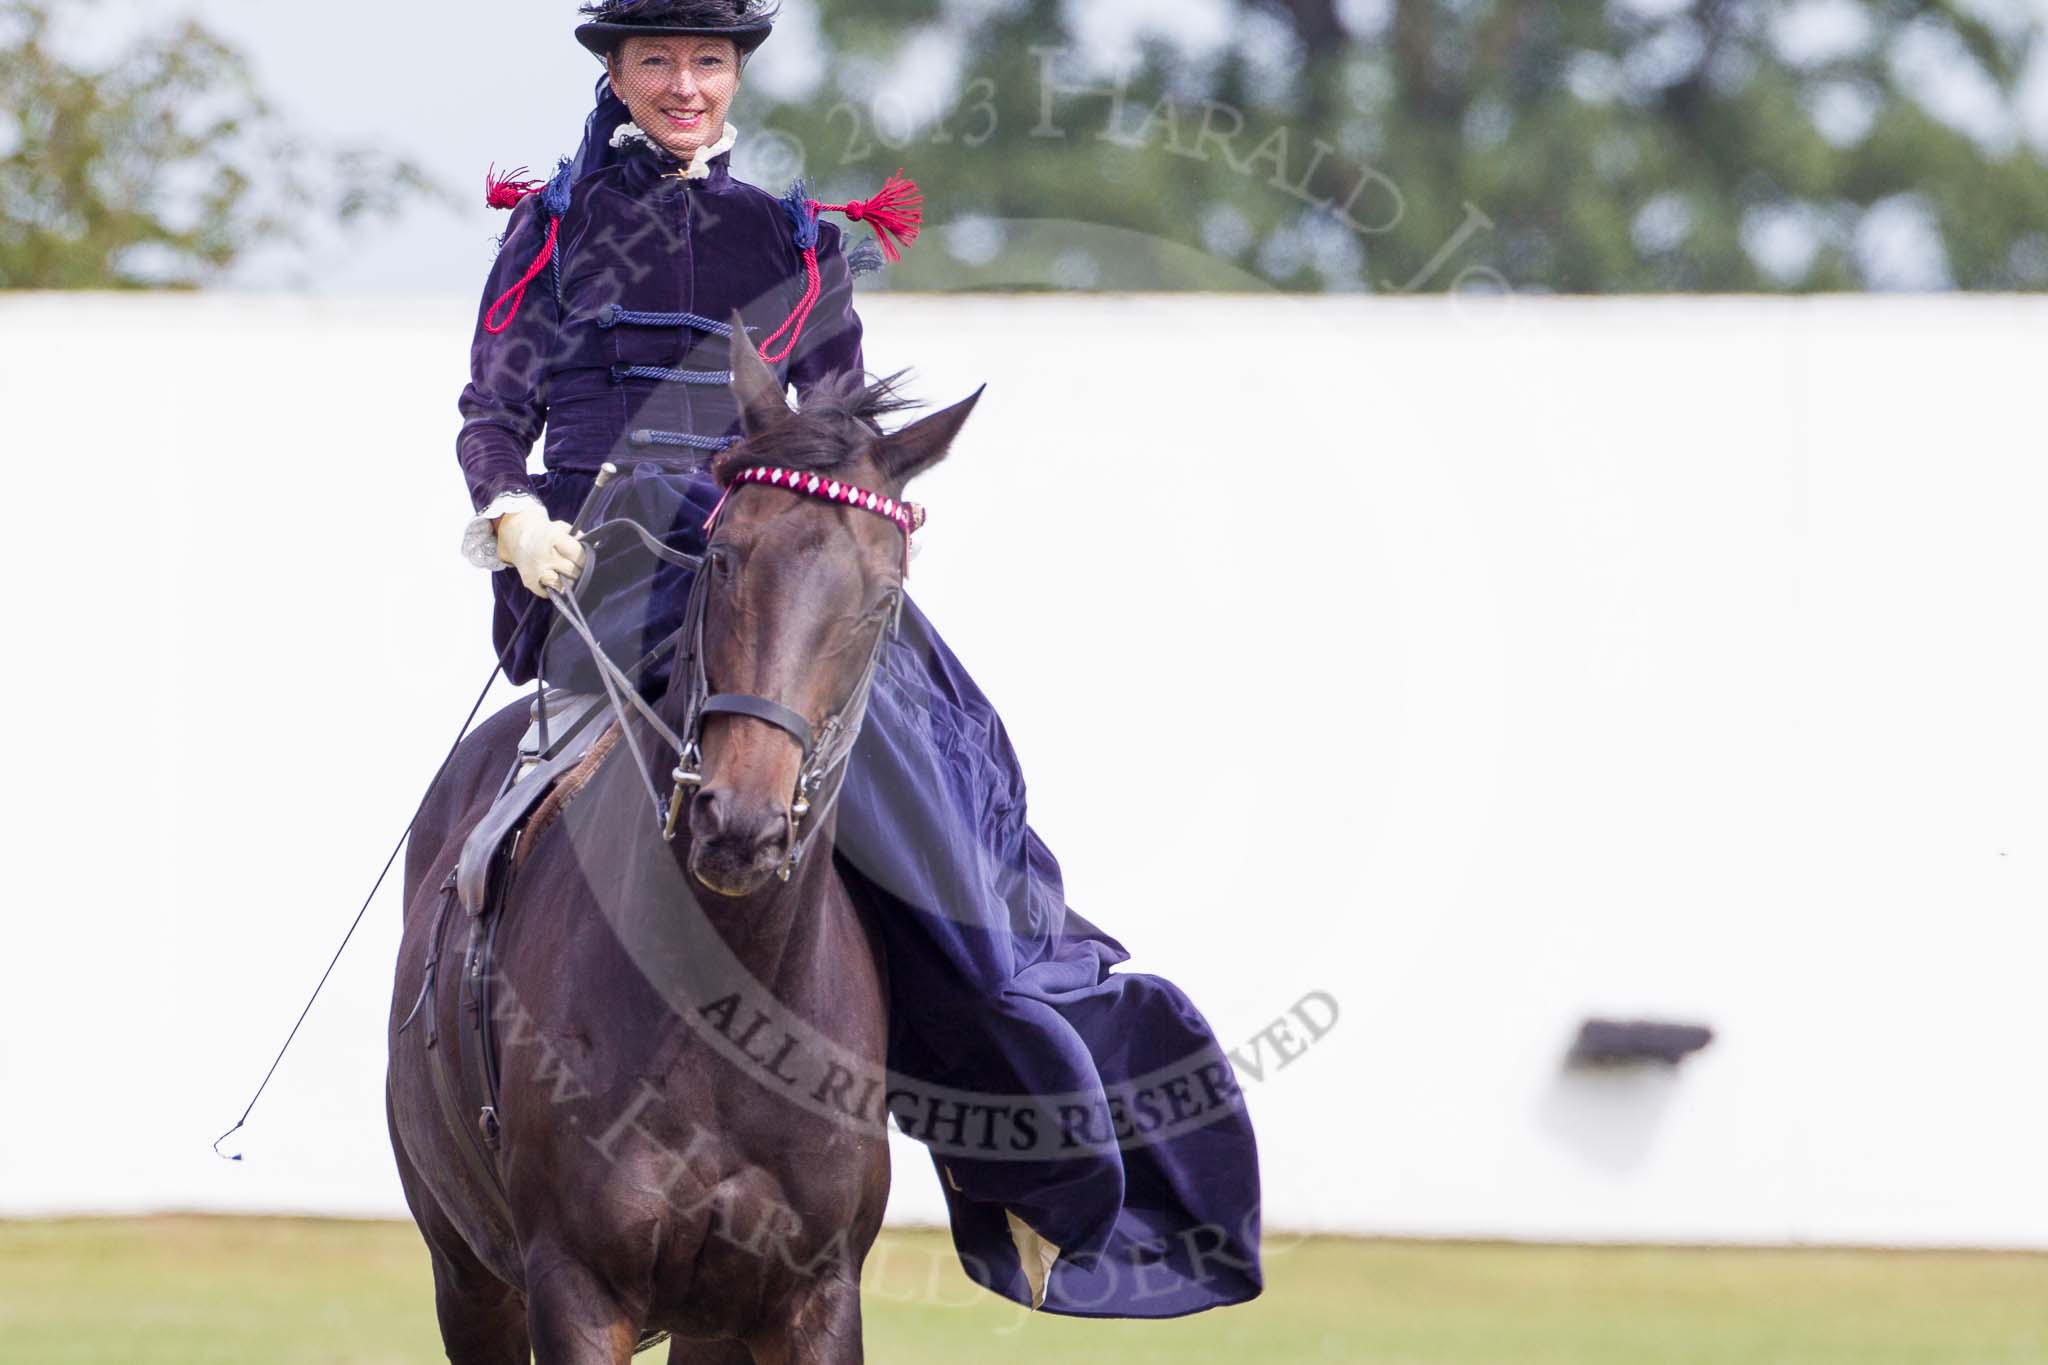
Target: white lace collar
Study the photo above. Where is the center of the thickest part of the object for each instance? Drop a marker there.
(700, 163)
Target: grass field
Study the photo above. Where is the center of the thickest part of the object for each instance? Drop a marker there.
(225, 1291)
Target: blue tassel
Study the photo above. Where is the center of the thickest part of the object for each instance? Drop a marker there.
(555, 198)
(802, 216)
(866, 258)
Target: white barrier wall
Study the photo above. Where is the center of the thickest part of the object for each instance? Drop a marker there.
(1479, 666)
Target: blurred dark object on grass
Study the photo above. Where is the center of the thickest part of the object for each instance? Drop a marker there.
(1619, 1042)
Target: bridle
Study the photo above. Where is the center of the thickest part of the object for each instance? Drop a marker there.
(826, 747)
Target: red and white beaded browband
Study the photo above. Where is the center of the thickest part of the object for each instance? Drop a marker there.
(908, 516)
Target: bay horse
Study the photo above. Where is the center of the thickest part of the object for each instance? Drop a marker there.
(651, 1164)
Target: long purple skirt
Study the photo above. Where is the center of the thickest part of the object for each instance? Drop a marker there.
(1095, 1106)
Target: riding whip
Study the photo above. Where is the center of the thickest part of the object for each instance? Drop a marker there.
(604, 476)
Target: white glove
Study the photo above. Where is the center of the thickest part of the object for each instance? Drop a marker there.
(546, 555)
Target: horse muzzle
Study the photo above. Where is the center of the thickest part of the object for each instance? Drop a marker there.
(737, 843)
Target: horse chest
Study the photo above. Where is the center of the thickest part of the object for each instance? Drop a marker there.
(736, 1218)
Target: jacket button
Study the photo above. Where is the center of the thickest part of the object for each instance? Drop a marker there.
(608, 316)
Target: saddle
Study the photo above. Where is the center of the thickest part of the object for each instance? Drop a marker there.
(563, 747)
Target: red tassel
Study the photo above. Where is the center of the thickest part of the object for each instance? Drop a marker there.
(897, 212)
(505, 191)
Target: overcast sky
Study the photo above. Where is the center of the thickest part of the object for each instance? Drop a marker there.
(459, 86)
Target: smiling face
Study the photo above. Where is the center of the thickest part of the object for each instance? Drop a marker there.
(678, 88)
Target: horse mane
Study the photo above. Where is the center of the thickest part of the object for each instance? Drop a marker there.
(835, 422)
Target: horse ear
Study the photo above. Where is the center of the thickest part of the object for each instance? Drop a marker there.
(760, 397)
(908, 453)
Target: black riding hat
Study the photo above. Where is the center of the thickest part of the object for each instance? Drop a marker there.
(746, 22)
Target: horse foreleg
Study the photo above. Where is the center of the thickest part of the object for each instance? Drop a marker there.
(574, 1319)
(483, 1319)
(483, 1322)
(824, 1329)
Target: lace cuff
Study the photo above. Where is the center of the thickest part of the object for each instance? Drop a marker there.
(480, 537)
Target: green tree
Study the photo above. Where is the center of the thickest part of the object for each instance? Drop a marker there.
(1569, 145)
(162, 168)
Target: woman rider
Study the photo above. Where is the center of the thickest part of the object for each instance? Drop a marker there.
(605, 322)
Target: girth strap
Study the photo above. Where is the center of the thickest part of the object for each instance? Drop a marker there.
(446, 1073)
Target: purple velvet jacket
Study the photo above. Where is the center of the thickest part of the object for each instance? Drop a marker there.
(618, 349)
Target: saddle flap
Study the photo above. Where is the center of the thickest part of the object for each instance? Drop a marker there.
(534, 771)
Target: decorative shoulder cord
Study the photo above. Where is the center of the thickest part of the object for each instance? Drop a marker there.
(897, 212)
(505, 192)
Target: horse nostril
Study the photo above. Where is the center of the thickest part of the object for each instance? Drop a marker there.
(708, 810)
(718, 814)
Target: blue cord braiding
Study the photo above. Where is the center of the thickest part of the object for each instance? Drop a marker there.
(803, 218)
(865, 258)
(644, 437)
(663, 374)
(555, 198)
(615, 315)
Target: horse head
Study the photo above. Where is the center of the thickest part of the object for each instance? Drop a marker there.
(798, 592)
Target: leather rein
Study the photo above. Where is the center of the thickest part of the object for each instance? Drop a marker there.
(826, 747)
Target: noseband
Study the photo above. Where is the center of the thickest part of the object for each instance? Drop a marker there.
(827, 747)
